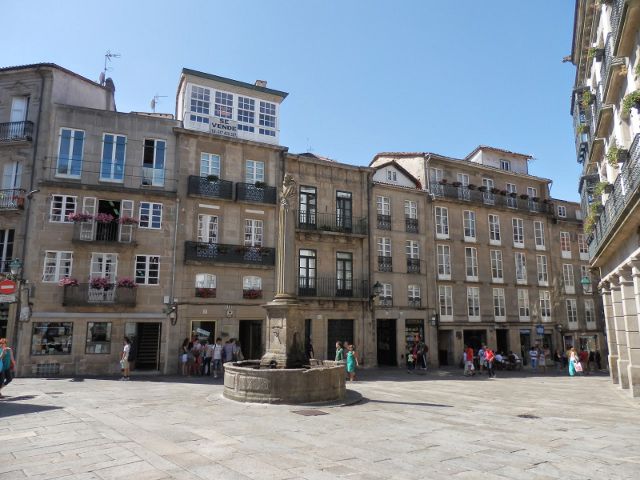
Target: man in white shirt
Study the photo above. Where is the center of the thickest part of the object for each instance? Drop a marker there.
(217, 357)
(533, 355)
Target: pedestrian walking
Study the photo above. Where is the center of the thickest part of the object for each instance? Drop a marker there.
(124, 359)
(7, 364)
(218, 351)
(490, 358)
(598, 360)
(412, 348)
(208, 357)
(574, 362)
(482, 364)
(542, 360)
(228, 350)
(237, 352)
(308, 349)
(424, 355)
(352, 362)
(583, 357)
(469, 369)
(533, 357)
(339, 352)
(183, 354)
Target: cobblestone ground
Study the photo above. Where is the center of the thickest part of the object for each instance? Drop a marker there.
(438, 425)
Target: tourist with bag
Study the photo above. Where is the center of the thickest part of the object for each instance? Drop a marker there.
(6, 363)
(574, 362)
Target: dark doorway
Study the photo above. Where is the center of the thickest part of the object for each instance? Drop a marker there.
(475, 338)
(108, 231)
(445, 347)
(251, 339)
(386, 334)
(525, 345)
(338, 330)
(502, 340)
(146, 346)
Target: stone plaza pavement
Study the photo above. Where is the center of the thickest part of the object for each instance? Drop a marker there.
(438, 425)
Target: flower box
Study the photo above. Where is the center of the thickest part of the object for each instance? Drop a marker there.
(101, 283)
(524, 196)
(68, 281)
(457, 184)
(213, 178)
(443, 181)
(259, 184)
(126, 283)
(205, 292)
(471, 186)
(128, 221)
(79, 217)
(482, 188)
(104, 218)
(252, 294)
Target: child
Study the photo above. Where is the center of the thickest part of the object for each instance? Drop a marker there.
(352, 362)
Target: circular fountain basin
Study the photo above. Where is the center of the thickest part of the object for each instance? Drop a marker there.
(247, 382)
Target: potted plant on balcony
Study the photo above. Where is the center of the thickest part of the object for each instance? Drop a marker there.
(503, 193)
(213, 178)
(615, 154)
(457, 184)
(602, 187)
(582, 128)
(587, 99)
(79, 217)
(513, 194)
(495, 190)
(535, 199)
(128, 220)
(259, 184)
(595, 52)
(104, 218)
(443, 181)
(68, 282)
(524, 196)
(471, 186)
(126, 282)
(632, 100)
(589, 223)
(482, 188)
(101, 283)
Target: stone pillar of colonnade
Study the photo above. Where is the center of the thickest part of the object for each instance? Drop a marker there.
(633, 332)
(621, 334)
(611, 331)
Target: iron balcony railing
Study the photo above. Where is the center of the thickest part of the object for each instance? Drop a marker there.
(83, 295)
(210, 188)
(385, 264)
(249, 192)
(411, 225)
(414, 302)
(501, 199)
(331, 287)
(608, 62)
(12, 199)
(385, 301)
(413, 265)
(625, 188)
(384, 222)
(112, 232)
(617, 10)
(330, 222)
(16, 131)
(225, 253)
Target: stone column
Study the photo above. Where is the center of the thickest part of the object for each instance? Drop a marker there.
(633, 332)
(609, 321)
(621, 337)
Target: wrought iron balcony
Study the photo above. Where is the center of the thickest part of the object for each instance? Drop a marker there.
(331, 287)
(385, 301)
(413, 265)
(16, 131)
(384, 222)
(112, 232)
(224, 253)
(411, 225)
(625, 189)
(608, 63)
(83, 295)
(251, 294)
(329, 222)
(12, 199)
(501, 199)
(414, 302)
(204, 292)
(385, 264)
(201, 186)
(249, 192)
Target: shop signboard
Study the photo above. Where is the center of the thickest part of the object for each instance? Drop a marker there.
(224, 126)
(540, 330)
(7, 298)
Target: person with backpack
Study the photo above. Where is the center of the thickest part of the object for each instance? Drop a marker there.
(7, 363)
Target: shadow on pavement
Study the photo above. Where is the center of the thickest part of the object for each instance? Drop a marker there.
(415, 404)
(8, 409)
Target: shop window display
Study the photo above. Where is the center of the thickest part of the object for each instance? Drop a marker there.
(98, 337)
(52, 338)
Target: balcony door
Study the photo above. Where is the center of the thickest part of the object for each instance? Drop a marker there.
(344, 210)
(463, 190)
(344, 274)
(253, 239)
(307, 273)
(103, 265)
(19, 108)
(208, 229)
(11, 175)
(308, 206)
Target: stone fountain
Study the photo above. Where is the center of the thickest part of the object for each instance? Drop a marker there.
(281, 376)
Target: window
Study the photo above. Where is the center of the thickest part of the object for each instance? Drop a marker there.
(496, 266)
(383, 205)
(307, 272)
(469, 223)
(412, 249)
(538, 233)
(463, 191)
(200, 103)
(568, 279)
(512, 201)
(499, 308)
(386, 295)
(113, 156)
(206, 285)
(473, 303)
(471, 263)
(521, 268)
(391, 175)
(253, 233)
(444, 262)
(565, 244)
(52, 338)
(208, 228)
(523, 305)
(578, 214)
(251, 287)
(488, 195)
(435, 175)
(70, 153)
(505, 164)
(103, 266)
(150, 215)
(98, 337)
(583, 248)
(572, 312)
(254, 171)
(209, 164)
(61, 207)
(153, 162)
(410, 209)
(223, 106)
(57, 265)
(533, 204)
(494, 230)
(445, 299)
(442, 222)
(6, 249)
(246, 114)
(384, 247)
(267, 119)
(308, 206)
(147, 269)
(344, 273)
(589, 314)
(562, 211)
(545, 305)
(543, 276)
(518, 232)
(414, 295)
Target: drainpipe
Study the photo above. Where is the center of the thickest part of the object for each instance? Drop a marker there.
(369, 186)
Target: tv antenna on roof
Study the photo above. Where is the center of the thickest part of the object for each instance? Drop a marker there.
(155, 100)
(107, 58)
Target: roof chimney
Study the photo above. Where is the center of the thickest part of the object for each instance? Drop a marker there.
(261, 83)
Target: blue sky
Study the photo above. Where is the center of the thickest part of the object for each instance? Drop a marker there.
(363, 76)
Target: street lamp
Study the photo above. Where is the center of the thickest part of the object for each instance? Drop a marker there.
(16, 268)
(172, 312)
(435, 320)
(377, 288)
(586, 284)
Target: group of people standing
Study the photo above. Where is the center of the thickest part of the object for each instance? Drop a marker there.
(203, 358)
(486, 360)
(7, 364)
(417, 353)
(350, 358)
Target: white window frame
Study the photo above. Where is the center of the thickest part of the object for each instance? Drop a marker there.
(469, 225)
(524, 310)
(111, 178)
(410, 209)
(497, 269)
(471, 264)
(268, 118)
(473, 304)
(251, 282)
(565, 244)
(157, 173)
(383, 205)
(62, 216)
(206, 280)
(147, 261)
(153, 216)
(568, 279)
(208, 227)
(253, 232)
(413, 292)
(72, 145)
(521, 268)
(254, 171)
(384, 247)
(562, 211)
(445, 302)
(58, 264)
(572, 313)
(517, 225)
(512, 202)
(223, 103)
(202, 98)
(499, 305)
(246, 113)
(412, 249)
(538, 233)
(505, 165)
(443, 260)
(495, 237)
(543, 270)
(463, 191)
(442, 222)
(590, 314)
(489, 197)
(210, 164)
(545, 305)
(583, 248)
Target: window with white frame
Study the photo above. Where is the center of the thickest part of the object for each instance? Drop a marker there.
(70, 152)
(412, 249)
(568, 279)
(572, 312)
(589, 313)
(545, 305)
(543, 275)
(518, 232)
(413, 292)
(199, 106)
(471, 263)
(583, 248)
(532, 193)
(251, 283)
(246, 114)
(153, 162)
(209, 164)
(383, 205)
(442, 222)
(267, 119)
(521, 268)
(488, 195)
(57, 265)
(499, 304)
(61, 207)
(391, 175)
(523, 304)
(386, 295)
(104, 265)
(410, 209)
(512, 201)
(445, 300)
(473, 303)
(497, 275)
(538, 233)
(223, 106)
(208, 228)
(254, 171)
(113, 157)
(253, 232)
(205, 280)
(444, 262)
(147, 269)
(469, 223)
(562, 211)
(384, 247)
(505, 164)
(494, 230)
(565, 244)
(463, 191)
(150, 215)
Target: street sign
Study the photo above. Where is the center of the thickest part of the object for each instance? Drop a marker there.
(7, 287)
(540, 330)
(7, 299)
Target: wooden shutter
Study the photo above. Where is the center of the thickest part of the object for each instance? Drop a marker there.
(88, 229)
(125, 232)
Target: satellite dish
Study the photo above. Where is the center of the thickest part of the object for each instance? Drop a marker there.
(101, 78)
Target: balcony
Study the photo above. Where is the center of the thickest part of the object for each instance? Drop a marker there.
(251, 294)
(385, 264)
(83, 295)
(502, 199)
(413, 265)
(201, 186)
(16, 132)
(414, 302)
(223, 253)
(257, 193)
(384, 222)
(329, 222)
(411, 225)
(204, 292)
(328, 287)
(385, 301)
(609, 70)
(111, 233)
(12, 199)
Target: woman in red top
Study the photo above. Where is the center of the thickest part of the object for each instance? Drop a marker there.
(490, 358)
